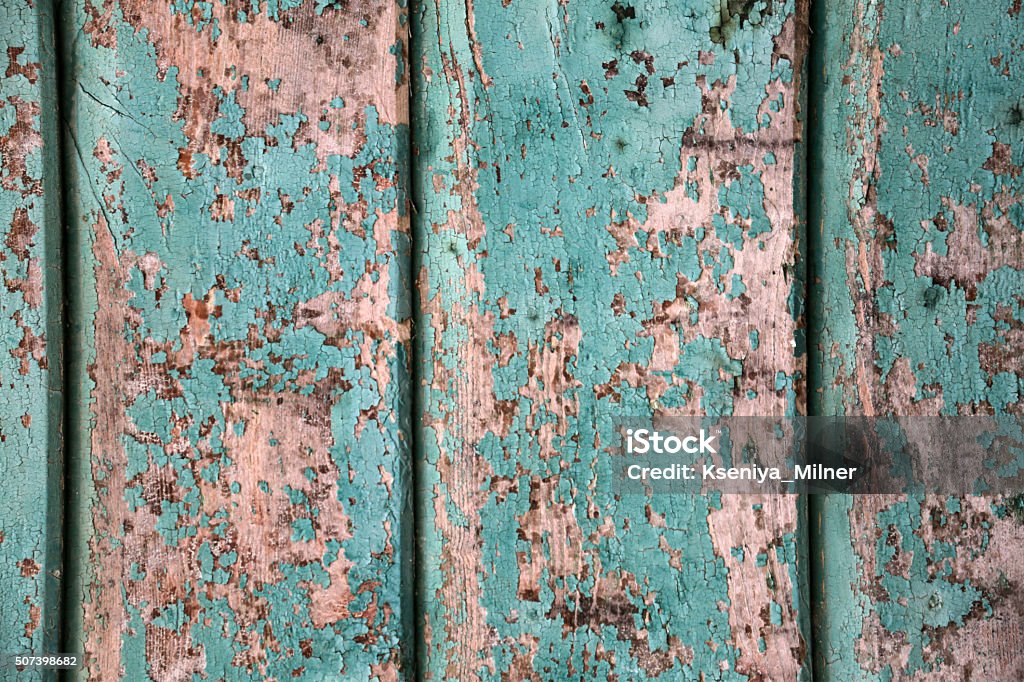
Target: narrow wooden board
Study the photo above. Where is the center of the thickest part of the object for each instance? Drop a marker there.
(30, 333)
(918, 281)
(608, 225)
(240, 239)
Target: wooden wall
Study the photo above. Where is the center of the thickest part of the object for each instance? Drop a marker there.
(349, 294)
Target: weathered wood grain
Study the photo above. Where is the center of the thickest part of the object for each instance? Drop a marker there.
(239, 231)
(918, 285)
(608, 224)
(30, 333)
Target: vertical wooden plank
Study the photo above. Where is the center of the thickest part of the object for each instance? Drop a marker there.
(30, 332)
(608, 224)
(241, 243)
(918, 312)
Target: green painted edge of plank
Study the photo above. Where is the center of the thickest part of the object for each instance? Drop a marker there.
(43, 463)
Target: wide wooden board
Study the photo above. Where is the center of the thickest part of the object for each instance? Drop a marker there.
(608, 225)
(917, 286)
(239, 238)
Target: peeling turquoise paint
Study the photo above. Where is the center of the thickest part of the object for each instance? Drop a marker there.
(593, 198)
(608, 224)
(242, 336)
(918, 215)
(30, 335)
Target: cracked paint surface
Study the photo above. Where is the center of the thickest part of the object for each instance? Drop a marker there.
(607, 225)
(29, 333)
(239, 226)
(920, 274)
